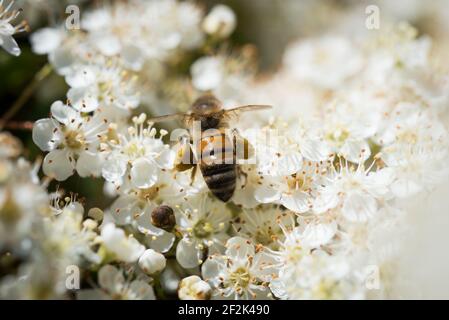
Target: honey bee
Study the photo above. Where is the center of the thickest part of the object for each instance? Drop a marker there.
(216, 150)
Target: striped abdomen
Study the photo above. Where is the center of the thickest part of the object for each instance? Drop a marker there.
(218, 165)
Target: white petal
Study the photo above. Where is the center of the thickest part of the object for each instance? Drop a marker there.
(81, 77)
(111, 279)
(263, 266)
(359, 207)
(123, 209)
(62, 60)
(315, 235)
(327, 199)
(142, 290)
(114, 169)
(143, 173)
(10, 45)
(207, 73)
(406, 187)
(84, 99)
(108, 45)
(297, 201)
(145, 226)
(245, 197)
(125, 248)
(238, 248)
(378, 182)
(63, 113)
(356, 151)
(267, 194)
(58, 165)
(288, 164)
(166, 159)
(44, 134)
(45, 40)
(133, 57)
(315, 150)
(164, 242)
(213, 268)
(187, 254)
(88, 164)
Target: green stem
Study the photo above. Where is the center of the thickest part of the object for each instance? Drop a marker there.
(43, 73)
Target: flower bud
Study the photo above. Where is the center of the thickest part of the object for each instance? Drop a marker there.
(193, 288)
(220, 21)
(96, 214)
(152, 261)
(163, 217)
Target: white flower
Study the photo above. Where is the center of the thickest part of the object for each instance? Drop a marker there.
(193, 288)
(103, 84)
(144, 30)
(307, 272)
(277, 153)
(7, 30)
(285, 171)
(319, 275)
(348, 128)
(416, 167)
(326, 62)
(114, 286)
(138, 156)
(295, 191)
(10, 146)
(134, 206)
(46, 40)
(124, 248)
(220, 21)
(17, 217)
(203, 222)
(69, 235)
(263, 225)
(357, 191)
(318, 229)
(152, 262)
(73, 142)
(410, 124)
(207, 73)
(243, 272)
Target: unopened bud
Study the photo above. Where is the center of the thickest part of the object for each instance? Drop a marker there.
(152, 261)
(163, 217)
(193, 288)
(220, 21)
(96, 214)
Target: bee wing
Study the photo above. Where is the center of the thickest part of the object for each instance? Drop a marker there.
(169, 117)
(235, 112)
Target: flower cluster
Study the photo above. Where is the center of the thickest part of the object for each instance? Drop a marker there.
(8, 29)
(354, 132)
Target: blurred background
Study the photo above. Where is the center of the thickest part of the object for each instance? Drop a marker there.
(270, 25)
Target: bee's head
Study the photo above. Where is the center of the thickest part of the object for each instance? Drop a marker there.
(206, 105)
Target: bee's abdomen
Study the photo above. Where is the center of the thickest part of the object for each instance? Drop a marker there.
(221, 179)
